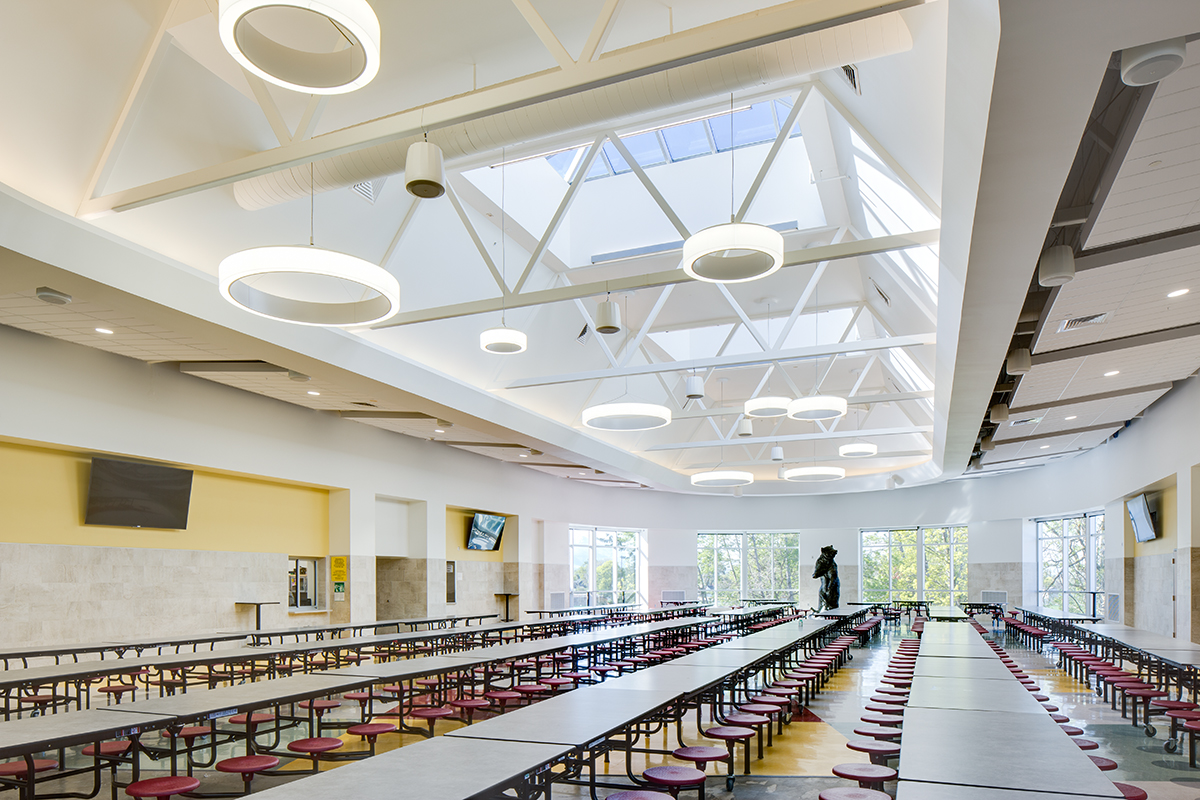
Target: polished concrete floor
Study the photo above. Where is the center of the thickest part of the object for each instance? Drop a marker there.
(799, 763)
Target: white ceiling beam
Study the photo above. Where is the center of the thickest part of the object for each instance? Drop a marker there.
(760, 461)
(686, 47)
(649, 184)
(409, 213)
(636, 344)
(452, 196)
(795, 437)
(792, 258)
(741, 313)
(725, 362)
(1146, 247)
(545, 34)
(151, 58)
(310, 117)
(596, 40)
(921, 298)
(587, 318)
(909, 182)
(560, 213)
(267, 103)
(784, 131)
(809, 288)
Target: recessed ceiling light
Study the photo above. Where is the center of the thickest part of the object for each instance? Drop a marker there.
(315, 394)
(104, 331)
(1155, 163)
(1112, 372)
(1177, 293)
(1073, 416)
(1044, 447)
(522, 455)
(438, 430)
(1022, 463)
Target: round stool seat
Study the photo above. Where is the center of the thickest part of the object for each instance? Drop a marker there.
(251, 719)
(878, 732)
(162, 787)
(759, 708)
(555, 683)
(470, 702)
(1103, 764)
(117, 688)
(887, 720)
(1060, 718)
(867, 775)
(1130, 792)
(13, 769)
(116, 748)
(370, 729)
(889, 699)
(743, 720)
(531, 688)
(1085, 744)
(700, 755)
(502, 695)
(1041, 698)
(319, 706)
(673, 776)
(729, 733)
(847, 793)
(894, 711)
(1173, 705)
(1071, 730)
(767, 699)
(187, 733)
(875, 749)
(247, 765)
(317, 744)
(430, 713)
(1184, 715)
(1049, 707)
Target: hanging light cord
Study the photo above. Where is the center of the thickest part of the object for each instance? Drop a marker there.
(311, 203)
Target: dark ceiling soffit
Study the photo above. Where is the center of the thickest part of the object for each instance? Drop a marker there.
(1123, 343)
(1154, 387)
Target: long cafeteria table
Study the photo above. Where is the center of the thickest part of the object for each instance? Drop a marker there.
(915, 790)
(946, 613)
(573, 610)
(977, 668)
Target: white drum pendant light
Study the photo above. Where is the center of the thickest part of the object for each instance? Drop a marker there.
(767, 406)
(724, 477)
(290, 283)
(777, 453)
(1056, 266)
(320, 65)
(424, 171)
(608, 317)
(745, 427)
(814, 474)
(858, 450)
(695, 387)
(817, 407)
(626, 416)
(735, 252)
(1020, 361)
(503, 341)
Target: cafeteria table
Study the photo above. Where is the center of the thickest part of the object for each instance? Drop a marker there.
(957, 650)
(996, 749)
(916, 790)
(442, 768)
(971, 694)
(961, 668)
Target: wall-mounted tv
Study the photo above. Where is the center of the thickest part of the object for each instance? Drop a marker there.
(1143, 521)
(485, 532)
(131, 495)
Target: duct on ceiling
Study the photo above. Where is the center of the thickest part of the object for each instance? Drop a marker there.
(595, 109)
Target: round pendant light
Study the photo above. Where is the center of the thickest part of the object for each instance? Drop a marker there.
(726, 477)
(318, 66)
(858, 450)
(817, 407)
(504, 341)
(767, 406)
(814, 474)
(626, 416)
(734, 252)
(292, 283)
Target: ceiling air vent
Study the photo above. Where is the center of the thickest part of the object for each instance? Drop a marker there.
(1027, 421)
(882, 294)
(369, 190)
(1078, 322)
(850, 72)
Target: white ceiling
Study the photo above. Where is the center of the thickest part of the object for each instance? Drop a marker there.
(866, 166)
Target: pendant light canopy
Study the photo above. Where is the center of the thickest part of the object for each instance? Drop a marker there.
(817, 407)
(725, 477)
(626, 416)
(318, 69)
(734, 252)
(814, 474)
(289, 283)
(767, 406)
(858, 450)
(503, 341)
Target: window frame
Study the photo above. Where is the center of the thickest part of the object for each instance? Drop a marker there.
(744, 545)
(595, 544)
(1092, 540)
(958, 588)
(315, 584)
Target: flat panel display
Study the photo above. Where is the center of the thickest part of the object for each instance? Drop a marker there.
(485, 532)
(131, 495)
(1139, 515)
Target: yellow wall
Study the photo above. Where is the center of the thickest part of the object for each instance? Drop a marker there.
(43, 494)
(458, 523)
(1166, 523)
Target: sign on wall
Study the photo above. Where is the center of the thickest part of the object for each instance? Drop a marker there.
(337, 574)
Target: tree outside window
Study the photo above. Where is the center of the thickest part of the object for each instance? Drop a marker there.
(604, 566)
(928, 564)
(1071, 563)
(752, 565)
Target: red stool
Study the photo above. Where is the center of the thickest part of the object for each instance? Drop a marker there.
(869, 776)
(251, 721)
(189, 734)
(502, 697)
(700, 756)
(846, 793)
(370, 731)
(1103, 764)
(530, 690)
(469, 705)
(638, 794)
(755, 721)
(886, 720)
(731, 734)
(116, 690)
(318, 707)
(431, 715)
(162, 787)
(1130, 792)
(879, 752)
(314, 747)
(247, 767)
(673, 778)
(19, 769)
(878, 732)
(1085, 744)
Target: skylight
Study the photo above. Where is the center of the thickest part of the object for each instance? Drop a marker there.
(756, 124)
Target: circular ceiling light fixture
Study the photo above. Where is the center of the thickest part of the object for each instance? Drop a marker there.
(734, 252)
(504, 341)
(814, 474)
(626, 416)
(767, 406)
(292, 283)
(319, 63)
(1150, 63)
(817, 407)
(723, 477)
(858, 450)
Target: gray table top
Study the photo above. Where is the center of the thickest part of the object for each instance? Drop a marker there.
(936, 631)
(442, 768)
(35, 734)
(971, 694)
(72, 670)
(946, 612)
(916, 790)
(1036, 755)
(198, 704)
(937, 666)
(729, 659)
(575, 718)
(1056, 613)
(683, 679)
(403, 670)
(958, 650)
(837, 613)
